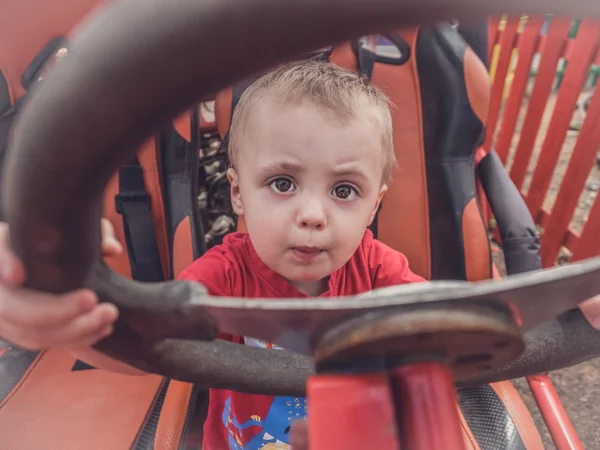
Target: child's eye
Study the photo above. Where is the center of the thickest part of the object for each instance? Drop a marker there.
(282, 185)
(345, 192)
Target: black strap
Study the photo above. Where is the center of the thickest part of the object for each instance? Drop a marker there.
(40, 61)
(7, 118)
(134, 204)
(366, 61)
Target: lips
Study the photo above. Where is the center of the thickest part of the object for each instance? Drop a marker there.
(309, 249)
(307, 254)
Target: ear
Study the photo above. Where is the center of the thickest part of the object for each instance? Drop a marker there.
(382, 191)
(236, 197)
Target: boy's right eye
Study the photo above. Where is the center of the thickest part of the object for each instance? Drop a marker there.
(282, 185)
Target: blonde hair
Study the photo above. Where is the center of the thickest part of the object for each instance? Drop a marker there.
(347, 94)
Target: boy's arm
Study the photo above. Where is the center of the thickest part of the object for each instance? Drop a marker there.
(72, 321)
(35, 320)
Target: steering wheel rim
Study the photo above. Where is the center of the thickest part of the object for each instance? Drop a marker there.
(133, 67)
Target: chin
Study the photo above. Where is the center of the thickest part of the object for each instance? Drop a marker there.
(307, 276)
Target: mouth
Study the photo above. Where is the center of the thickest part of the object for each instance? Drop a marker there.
(307, 253)
(309, 249)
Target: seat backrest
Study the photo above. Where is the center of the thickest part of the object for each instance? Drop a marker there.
(441, 91)
(50, 395)
(31, 32)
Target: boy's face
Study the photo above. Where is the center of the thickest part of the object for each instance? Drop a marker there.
(308, 186)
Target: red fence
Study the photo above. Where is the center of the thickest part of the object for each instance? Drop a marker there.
(535, 105)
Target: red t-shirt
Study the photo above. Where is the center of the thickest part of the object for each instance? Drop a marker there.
(239, 421)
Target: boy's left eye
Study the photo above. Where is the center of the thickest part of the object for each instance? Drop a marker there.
(345, 192)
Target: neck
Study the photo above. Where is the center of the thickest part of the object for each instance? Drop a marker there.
(311, 288)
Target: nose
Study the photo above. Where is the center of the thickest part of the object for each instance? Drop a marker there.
(312, 215)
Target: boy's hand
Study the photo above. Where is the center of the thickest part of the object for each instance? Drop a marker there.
(36, 320)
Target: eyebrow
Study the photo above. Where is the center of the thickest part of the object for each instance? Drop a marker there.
(346, 170)
(282, 166)
(351, 170)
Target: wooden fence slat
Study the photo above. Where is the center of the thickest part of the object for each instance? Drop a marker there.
(506, 41)
(588, 244)
(569, 49)
(582, 160)
(493, 34)
(493, 37)
(571, 237)
(542, 44)
(576, 74)
(557, 34)
(526, 50)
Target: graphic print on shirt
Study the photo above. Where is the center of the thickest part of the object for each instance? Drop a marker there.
(274, 428)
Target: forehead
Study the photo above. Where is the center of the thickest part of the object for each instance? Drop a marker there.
(309, 134)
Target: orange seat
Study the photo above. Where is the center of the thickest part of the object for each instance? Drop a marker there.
(50, 398)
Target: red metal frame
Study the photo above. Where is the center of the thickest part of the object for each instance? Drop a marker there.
(351, 412)
(399, 411)
(561, 429)
(426, 402)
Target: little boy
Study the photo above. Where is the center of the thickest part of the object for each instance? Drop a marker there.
(311, 155)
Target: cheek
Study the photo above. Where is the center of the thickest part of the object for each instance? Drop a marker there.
(349, 226)
(356, 217)
(263, 214)
(269, 232)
